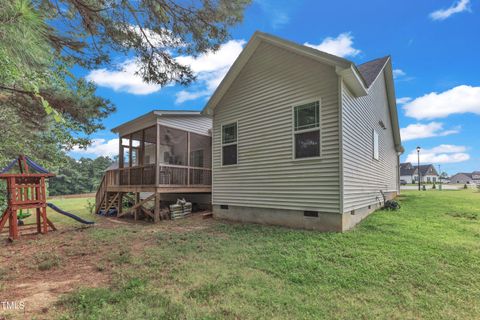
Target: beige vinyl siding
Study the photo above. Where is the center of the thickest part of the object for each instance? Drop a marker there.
(261, 100)
(363, 176)
(196, 124)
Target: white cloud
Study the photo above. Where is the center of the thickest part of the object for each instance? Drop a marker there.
(210, 69)
(185, 95)
(159, 38)
(124, 79)
(99, 147)
(445, 153)
(400, 75)
(397, 73)
(276, 11)
(403, 100)
(457, 7)
(341, 46)
(419, 131)
(461, 99)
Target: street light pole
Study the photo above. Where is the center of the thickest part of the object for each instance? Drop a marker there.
(418, 167)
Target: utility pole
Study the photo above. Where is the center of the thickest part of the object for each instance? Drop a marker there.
(418, 168)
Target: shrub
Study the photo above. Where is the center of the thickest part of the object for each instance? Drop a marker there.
(391, 205)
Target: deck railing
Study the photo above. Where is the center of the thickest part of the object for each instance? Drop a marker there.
(169, 176)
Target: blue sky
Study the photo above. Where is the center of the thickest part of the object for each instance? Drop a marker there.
(434, 47)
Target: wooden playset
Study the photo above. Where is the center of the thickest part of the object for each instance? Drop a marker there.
(26, 190)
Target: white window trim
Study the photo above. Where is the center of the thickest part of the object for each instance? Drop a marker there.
(375, 133)
(300, 103)
(227, 144)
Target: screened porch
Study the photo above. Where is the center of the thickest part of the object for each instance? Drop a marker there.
(161, 156)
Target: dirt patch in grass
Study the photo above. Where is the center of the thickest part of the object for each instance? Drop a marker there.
(40, 269)
(37, 270)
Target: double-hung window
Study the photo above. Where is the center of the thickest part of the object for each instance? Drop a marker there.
(306, 131)
(229, 144)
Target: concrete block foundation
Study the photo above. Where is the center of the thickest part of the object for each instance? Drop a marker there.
(299, 219)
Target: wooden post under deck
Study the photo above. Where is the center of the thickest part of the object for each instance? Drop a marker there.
(137, 211)
(120, 203)
(156, 213)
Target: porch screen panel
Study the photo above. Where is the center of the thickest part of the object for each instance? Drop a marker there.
(200, 159)
(200, 151)
(173, 146)
(135, 150)
(150, 146)
(149, 156)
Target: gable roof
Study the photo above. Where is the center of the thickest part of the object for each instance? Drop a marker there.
(424, 169)
(357, 79)
(152, 115)
(371, 69)
(406, 169)
(406, 165)
(468, 175)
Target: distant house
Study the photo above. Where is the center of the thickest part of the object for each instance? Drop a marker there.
(466, 178)
(303, 138)
(409, 173)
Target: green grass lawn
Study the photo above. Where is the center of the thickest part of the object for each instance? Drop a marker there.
(421, 262)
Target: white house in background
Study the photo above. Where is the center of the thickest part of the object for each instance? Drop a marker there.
(466, 178)
(428, 174)
(409, 173)
(303, 138)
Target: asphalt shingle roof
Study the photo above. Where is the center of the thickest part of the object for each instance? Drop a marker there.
(370, 70)
(406, 169)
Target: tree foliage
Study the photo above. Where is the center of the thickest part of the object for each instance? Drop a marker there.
(42, 40)
(153, 30)
(82, 176)
(36, 85)
(45, 108)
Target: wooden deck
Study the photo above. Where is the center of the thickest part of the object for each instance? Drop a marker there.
(160, 189)
(118, 183)
(167, 176)
(155, 159)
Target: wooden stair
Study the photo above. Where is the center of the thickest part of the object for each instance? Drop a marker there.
(100, 197)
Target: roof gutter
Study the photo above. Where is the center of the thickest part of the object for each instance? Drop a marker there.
(353, 79)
